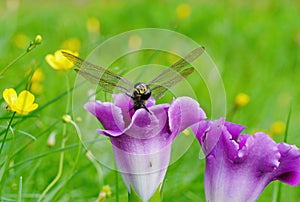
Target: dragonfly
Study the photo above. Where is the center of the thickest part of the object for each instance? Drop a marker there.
(139, 92)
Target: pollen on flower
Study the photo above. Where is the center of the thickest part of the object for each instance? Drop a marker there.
(22, 103)
(183, 11)
(277, 128)
(241, 100)
(58, 61)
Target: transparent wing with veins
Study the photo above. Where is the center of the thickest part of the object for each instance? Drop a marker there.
(98, 75)
(174, 74)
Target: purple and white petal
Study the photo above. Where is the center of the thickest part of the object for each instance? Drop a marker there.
(240, 166)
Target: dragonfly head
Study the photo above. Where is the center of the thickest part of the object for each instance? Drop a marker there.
(141, 91)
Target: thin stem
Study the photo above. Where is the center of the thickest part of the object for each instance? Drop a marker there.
(117, 185)
(9, 157)
(76, 158)
(287, 125)
(63, 144)
(68, 93)
(60, 167)
(12, 63)
(6, 132)
(20, 189)
(32, 45)
(278, 195)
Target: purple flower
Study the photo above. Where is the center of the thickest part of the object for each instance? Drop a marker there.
(142, 141)
(240, 166)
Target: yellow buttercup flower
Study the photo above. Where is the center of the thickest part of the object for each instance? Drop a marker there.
(22, 104)
(93, 25)
(242, 99)
(277, 128)
(37, 76)
(73, 44)
(183, 11)
(36, 88)
(36, 79)
(58, 61)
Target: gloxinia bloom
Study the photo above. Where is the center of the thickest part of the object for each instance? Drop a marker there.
(141, 140)
(240, 166)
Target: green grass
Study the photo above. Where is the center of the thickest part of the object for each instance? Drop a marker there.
(256, 47)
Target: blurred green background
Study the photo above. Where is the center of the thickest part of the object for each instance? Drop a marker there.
(255, 45)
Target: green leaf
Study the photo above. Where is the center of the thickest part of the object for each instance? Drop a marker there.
(157, 196)
(133, 196)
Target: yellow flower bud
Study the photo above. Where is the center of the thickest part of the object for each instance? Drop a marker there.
(66, 118)
(38, 39)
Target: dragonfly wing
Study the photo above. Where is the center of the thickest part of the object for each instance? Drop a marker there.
(95, 74)
(159, 90)
(178, 66)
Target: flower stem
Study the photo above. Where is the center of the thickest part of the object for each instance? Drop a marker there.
(60, 167)
(7, 162)
(287, 125)
(12, 63)
(63, 143)
(76, 158)
(117, 185)
(32, 45)
(6, 132)
(20, 190)
(279, 184)
(68, 93)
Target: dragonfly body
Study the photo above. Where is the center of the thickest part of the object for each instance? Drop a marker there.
(140, 92)
(140, 95)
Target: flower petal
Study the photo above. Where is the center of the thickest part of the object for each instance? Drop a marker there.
(52, 62)
(10, 96)
(25, 99)
(239, 167)
(109, 115)
(125, 103)
(184, 112)
(143, 171)
(289, 169)
(58, 61)
(146, 133)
